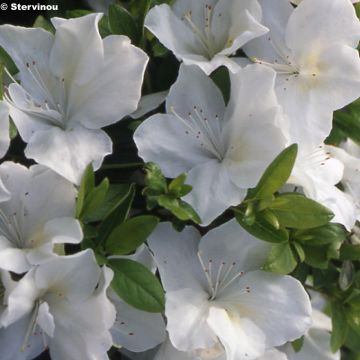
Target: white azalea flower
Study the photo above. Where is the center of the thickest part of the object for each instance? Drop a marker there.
(71, 85)
(318, 172)
(218, 300)
(37, 215)
(313, 50)
(136, 330)
(206, 32)
(223, 150)
(63, 303)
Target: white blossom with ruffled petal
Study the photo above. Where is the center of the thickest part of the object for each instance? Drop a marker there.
(217, 299)
(206, 32)
(71, 85)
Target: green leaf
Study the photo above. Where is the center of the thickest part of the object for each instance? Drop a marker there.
(298, 344)
(86, 185)
(179, 208)
(12, 130)
(350, 252)
(115, 195)
(281, 259)
(339, 326)
(299, 212)
(349, 124)
(94, 199)
(222, 79)
(262, 229)
(299, 251)
(41, 22)
(137, 285)
(118, 216)
(155, 180)
(128, 236)
(276, 174)
(316, 257)
(122, 23)
(323, 235)
(6, 60)
(176, 185)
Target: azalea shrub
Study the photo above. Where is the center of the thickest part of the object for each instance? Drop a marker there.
(180, 180)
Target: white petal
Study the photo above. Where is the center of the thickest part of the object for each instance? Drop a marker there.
(12, 259)
(45, 320)
(81, 331)
(168, 351)
(12, 341)
(276, 14)
(175, 254)
(62, 275)
(4, 128)
(278, 305)
(187, 311)
(213, 190)
(230, 243)
(163, 139)
(273, 354)
(21, 300)
(63, 230)
(247, 122)
(25, 46)
(69, 152)
(171, 31)
(114, 91)
(316, 346)
(311, 17)
(307, 121)
(76, 41)
(197, 94)
(134, 329)
(148, 103)
(338, 77)
(242, 18)
(241, 338)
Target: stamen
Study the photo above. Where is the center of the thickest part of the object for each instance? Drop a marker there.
(31, 327)
(206, 271)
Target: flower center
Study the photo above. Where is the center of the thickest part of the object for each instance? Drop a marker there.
(203, 35)
(221, 279)
(48, 105)
(198, 126)
(10, 228)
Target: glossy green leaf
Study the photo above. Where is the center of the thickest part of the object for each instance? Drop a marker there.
(137, 285)
(115, 195)
(87, 184)
(299, 212)
(94, 199)
(118, 216)
(323, 235)
(122, 22)
(281, 259)
(276, 174)
(339, 326)
(129, 235)
(350, 252)
(261, 228)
